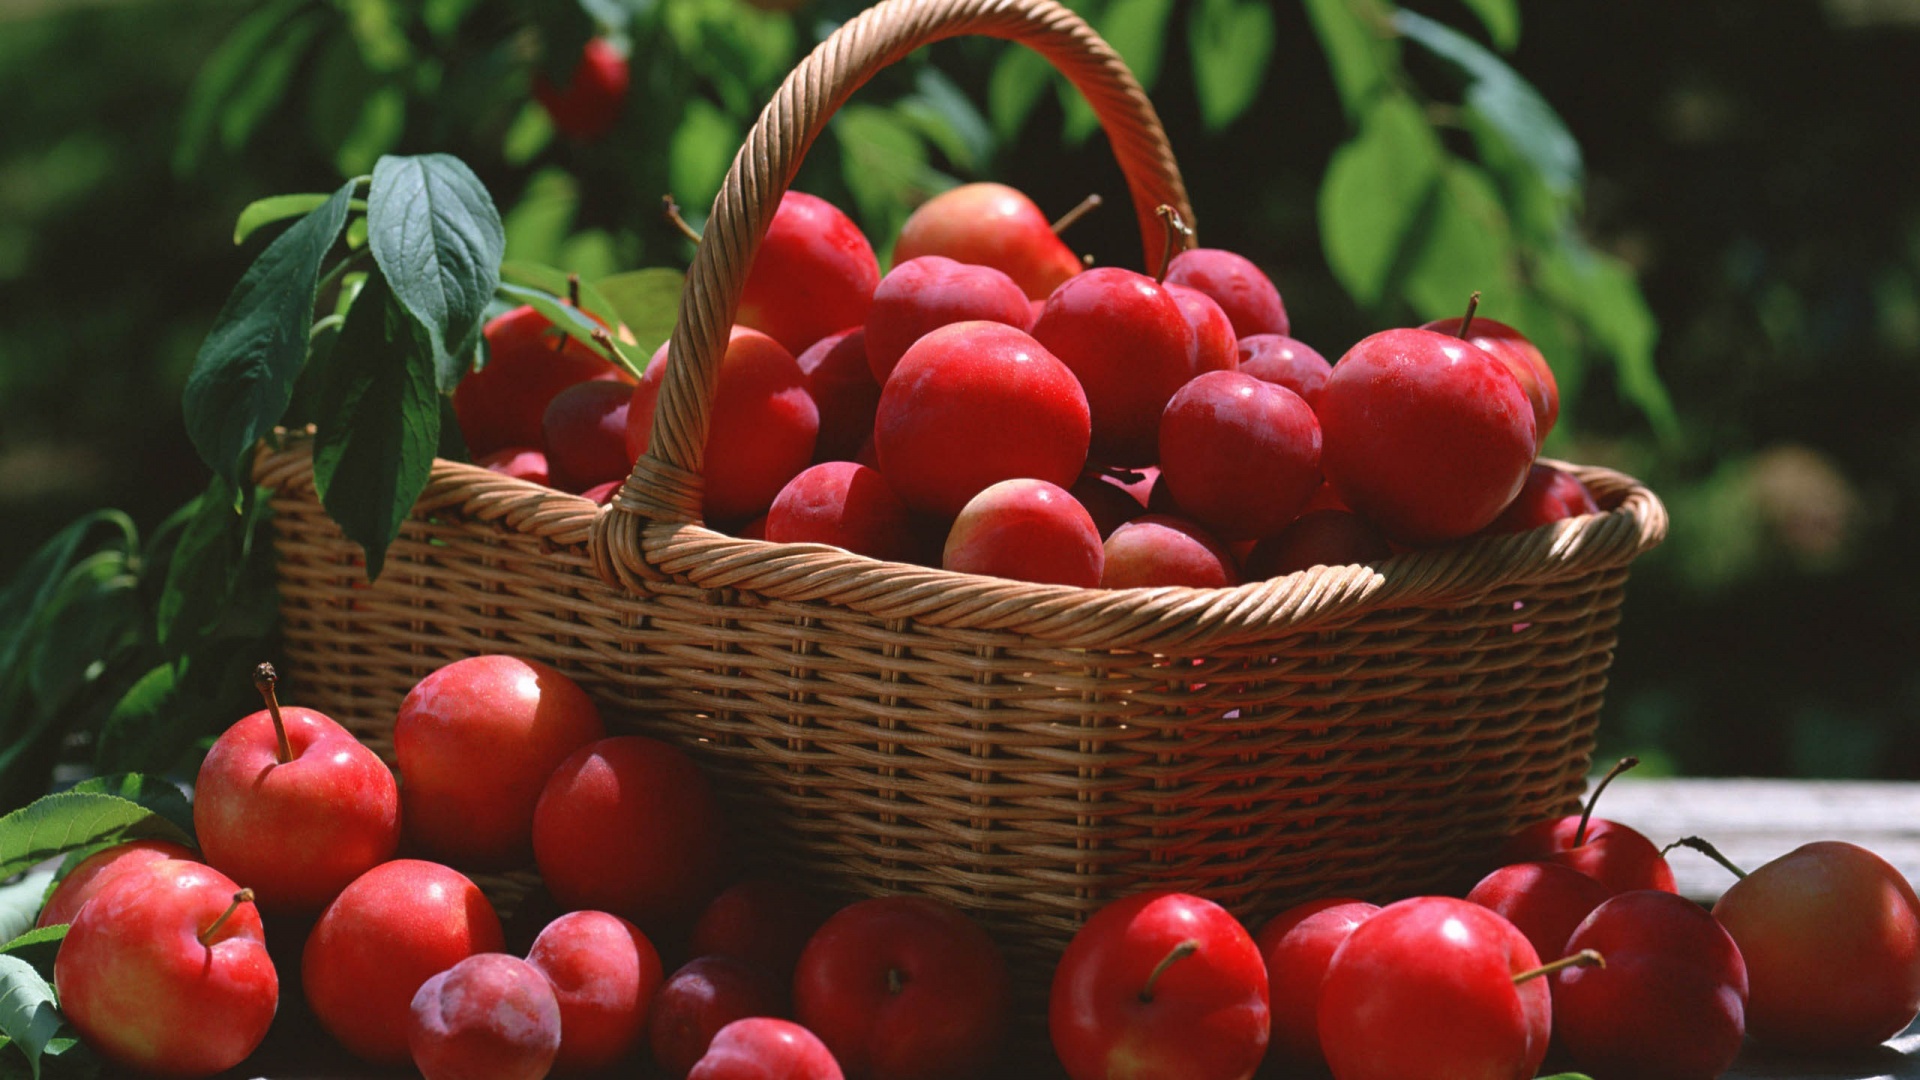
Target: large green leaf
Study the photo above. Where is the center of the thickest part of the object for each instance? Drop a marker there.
(557, 283)
(1502, 20)
(143, 718)
(243, 376)
(1231, 42)
(39, 946)
(885, 165)
(156, 793)
(96, 616)
(1014, 88)
(438, 239)
(1137, 30)
(647, 302)
(20, 903)
(28, 1016)
(576, 325)
(24, 602)
(56, 824)
(1358, 55)
(1466, 247)
(1376, 189)
(203, 564)
(1604, 296)
(262, 212)
(700, 151)
(946, 116)
(267, 78)
(378, 418)
(1506, 101)
(221, 74)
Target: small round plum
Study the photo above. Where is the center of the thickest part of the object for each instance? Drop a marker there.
(1522, 357)
(1109, 500)
(605, 974)
(766, 1048)
(760, 432)
(588, 106)
(1426, 435)
(1298, 944)
(843, 389)
(585, 429)
(476, 741)
(704, 996)
(529, 360)
(990, 225)
(1245, 293)
(1214, 346)
(398, 925)
(1317, 538)
(1545, 901)
(764, 921)
(1157, 550)
(1549, 495)
(1238, 455)
(489, 1016)
(814, 274)
(1278, 359)
(922, 295)
(846, 505)
(96, 870)
(1028, 530)
(973, 404)
(1126, 339)
(519, 462)
(629, 825)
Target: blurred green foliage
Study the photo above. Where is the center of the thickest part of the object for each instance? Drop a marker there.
(1380, 160)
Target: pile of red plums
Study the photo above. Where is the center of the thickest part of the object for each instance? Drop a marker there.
(991, 406)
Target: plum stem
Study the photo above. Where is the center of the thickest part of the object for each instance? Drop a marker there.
(264, 678)
(244, 896)
(1179, 235)
(573, 289)
(671, 210)
(1700, 845)
(1086, 206)
(896, 982)
(1625, 763)
(1180, 952)
(1583, 958)
(604, 339)
(1473, 305)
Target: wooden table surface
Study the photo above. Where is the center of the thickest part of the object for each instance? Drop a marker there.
(1752, 821)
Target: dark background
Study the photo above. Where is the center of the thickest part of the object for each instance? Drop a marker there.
(1755, 162)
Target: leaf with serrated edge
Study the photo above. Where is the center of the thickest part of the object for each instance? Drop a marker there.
(243, 377)
(27, 1013)
(55, 824)
(437, 237)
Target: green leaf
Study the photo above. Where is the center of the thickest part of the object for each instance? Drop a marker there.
(202, 567)
(1604, 296)
(453, 444)
(221, 74)
(1137, 30)
(1507, 102)
(885, 165)
(145, 718)
(38, 946)
(576, 325)
(266, 211)
(947, 118)
(1466, 247)
(1359, 56)
(267, 79)
(646, 302)
(702, 147)
(1502, 20)
(53, 825)
(243, 376)
(1231, 42)
(94, 618)
(156, 793)
(539, 223)
(531, 132)
(438, 239)
(377, 128)
(20, 903)
(1014, 88)
(26, 599)
(376, 25)
(557, 283)
(27, 1013)
(378, 418)
(1375, 191)
(743, 51)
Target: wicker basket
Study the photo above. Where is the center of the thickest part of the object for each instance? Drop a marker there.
(1026, 752)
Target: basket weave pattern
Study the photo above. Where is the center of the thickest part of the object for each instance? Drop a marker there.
(1025, 752)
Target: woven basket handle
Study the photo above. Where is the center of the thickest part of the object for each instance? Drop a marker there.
(666, 483)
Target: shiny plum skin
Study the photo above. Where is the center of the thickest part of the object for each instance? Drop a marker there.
(922, 295)
(1522, 357)
(973, 404)
(1156, 550)
(760, 432)
(519, 462)
(764, 921)
(702, 998)
(1549, 495)
(766, 1048)
(843, 390)
(1277, 359)
(814, 274)
(96, 870)
(990, 225)
(1214, 346)
(1831, 936)
(1242, 290)
(528, 361)
(1108, 500)
(1125, 338)
(490, 1015)
(1427, 436)
(847, 505)
(1317, 538)
(1670, 1002)
(605, 973)
(1610, 853)
(1298, 944)
(1546, 901)
(585, 433)
(588, 106)
(1027, 530)
(1238, 455)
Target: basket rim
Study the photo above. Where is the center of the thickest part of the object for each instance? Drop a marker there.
(1633, 522)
